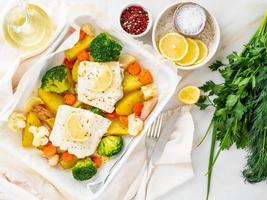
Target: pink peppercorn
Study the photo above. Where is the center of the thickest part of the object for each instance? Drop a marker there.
(134, 20)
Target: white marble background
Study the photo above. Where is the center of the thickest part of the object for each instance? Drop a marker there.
(238, 20)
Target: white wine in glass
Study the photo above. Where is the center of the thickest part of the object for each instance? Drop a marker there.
(27, 27)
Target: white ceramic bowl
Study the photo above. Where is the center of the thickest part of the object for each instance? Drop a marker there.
(149, 23)
(165, 21)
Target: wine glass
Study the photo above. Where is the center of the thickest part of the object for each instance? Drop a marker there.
(27, 27)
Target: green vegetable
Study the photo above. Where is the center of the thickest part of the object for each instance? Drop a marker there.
(56, 80)
(97, 111)
(84, 169)
(105, 48)
(240, 106)
(110, 146)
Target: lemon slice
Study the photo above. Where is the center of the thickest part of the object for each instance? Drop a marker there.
(173, 46)
(203, 51)
(189, 95)
(75, 130)
(104, 79)
(31, 102)
(192, 54)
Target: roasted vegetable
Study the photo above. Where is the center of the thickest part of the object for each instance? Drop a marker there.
(126, 59)
(74, 71)
(148, 108)
(31, 102)
(42, 113)
(71, 54)
(27, 136)
(67, 160)
(125, 105)
(135, 125)
(56, 80)
(50, 122)
(105, 48)
(130, 83)
(110, 146)
(117, 128)
(149, 91)
(97, 160)
(97, 111)
(49, 149)
(84, 169)
(88, 29)
(51, 100)
(134, 68)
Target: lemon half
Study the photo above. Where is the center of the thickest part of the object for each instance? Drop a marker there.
(75, 130)
(173, 46)
(104, 79)
(189, 95)
(192, 54)
(203, 51)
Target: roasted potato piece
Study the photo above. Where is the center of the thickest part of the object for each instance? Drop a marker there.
(75, 71)
(27, 136)
(125, 105)
(71, 81)
(72, 53)
(117, 128)
(50, 122)
(51, 100)
(126, 59)
(130, 83)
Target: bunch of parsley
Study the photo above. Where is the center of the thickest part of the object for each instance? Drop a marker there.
(240, 103)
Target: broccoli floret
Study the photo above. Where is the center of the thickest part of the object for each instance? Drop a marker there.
(84, 169)
(56, 80)
(105, 48)
(97, 111)
(110, 146)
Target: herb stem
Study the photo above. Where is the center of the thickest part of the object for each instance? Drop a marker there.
(206, 134)
(212, 150)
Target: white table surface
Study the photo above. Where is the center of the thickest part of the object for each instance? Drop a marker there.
(238, 20)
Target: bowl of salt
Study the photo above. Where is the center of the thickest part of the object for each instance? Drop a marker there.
(190, 19)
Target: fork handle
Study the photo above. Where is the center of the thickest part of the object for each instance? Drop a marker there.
(147, 171)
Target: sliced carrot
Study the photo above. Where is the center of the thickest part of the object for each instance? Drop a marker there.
(123, 119)
(134, 68)
(97, 160)
(67, 157)
(69, 64)
(110, 115)
(137, 108)
(82, 35)
(145, 77)
(69, 99)
(49, 149)
(83, 55)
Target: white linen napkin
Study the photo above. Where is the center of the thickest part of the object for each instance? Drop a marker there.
(174, 167)
(17, 181)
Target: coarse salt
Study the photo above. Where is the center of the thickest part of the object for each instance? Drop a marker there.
(190, 19)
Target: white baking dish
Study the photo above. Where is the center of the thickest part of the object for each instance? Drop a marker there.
(165, 78)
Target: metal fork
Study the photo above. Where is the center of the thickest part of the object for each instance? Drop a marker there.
(154, 131)
(152, 137)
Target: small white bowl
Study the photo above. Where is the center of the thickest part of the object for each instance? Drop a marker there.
(164, 24)
(149, 23)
